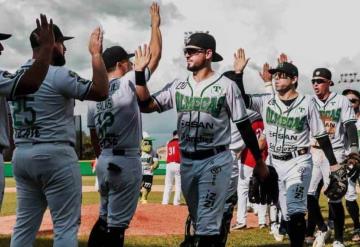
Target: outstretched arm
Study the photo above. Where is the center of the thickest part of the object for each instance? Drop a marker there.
(99, 90)
(35, 75)
(156, 39)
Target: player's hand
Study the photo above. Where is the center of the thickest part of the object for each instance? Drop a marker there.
(283, 58)
(96, 42)
(265, 74)
(240, 61)
(334, 168)
(142, 58)
(45, 37)
(261, 170)
(155, 15)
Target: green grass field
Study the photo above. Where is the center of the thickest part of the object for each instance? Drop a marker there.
(249, 237)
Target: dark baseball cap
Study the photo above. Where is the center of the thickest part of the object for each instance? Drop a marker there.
(57, 34)
(174, 132)
(351, 91)
(115, 54)
(322, 73)
(4, 36)
(203, 41)
(288, 68)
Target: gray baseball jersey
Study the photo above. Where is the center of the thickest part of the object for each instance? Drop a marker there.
(47, 115)
(117, 119)
(8, 84)
(203, 109)
(335, 112)
(147, 159)
(287, 129)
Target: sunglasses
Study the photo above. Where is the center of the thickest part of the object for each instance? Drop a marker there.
(318, 81)
(192, 51)
(280, 75)
(354, 100)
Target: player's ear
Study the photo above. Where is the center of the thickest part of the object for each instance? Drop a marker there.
(208, 54)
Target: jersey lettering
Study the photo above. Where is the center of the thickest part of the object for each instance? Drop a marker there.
(293, 123)
(211, 105)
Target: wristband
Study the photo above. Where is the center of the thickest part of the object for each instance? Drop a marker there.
(140, 78)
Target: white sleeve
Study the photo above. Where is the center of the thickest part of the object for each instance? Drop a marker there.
(257, 102)
(9, 82)
(91, 115)
(70, 84)
(164, 98)
(235, 103)
(316, 125)
(347, 112)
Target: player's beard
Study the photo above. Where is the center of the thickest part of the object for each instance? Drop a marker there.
(58, 58)
(196, 67)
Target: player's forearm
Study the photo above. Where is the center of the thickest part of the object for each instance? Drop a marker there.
(35, 75)
(95, 142)
(325, 145)
(238, 79)
(352, 136)
(155, 48)
(100, 88)
(249, 138)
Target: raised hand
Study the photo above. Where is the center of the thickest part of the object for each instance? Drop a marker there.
(45, 35)
(96, 40)
(155, 15)
(240, 61)
(283, 58)
(142, 58)
(265, 74)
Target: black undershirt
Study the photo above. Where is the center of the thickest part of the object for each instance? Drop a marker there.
(289, 101)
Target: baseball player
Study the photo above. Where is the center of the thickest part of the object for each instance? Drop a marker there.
(205, 102)
(246, 165)
(149, 163)
(22, 82)
(172, 170)
(351, 195)
(115, 128)
(45, 164)
(339, 120)
(288, 117)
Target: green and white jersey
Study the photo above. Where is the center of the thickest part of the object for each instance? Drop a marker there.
(288, 129)
(48, 114)
(147, 159)
(204, 110)
(335, 112)
(117, 119)
(8, 85)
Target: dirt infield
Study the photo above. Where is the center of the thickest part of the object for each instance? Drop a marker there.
(149, 219)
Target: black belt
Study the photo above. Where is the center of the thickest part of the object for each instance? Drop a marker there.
(123, 152)
(1, 150)
(288, 156)
(203, 154)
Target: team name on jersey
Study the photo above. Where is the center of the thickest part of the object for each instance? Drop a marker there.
(296, 124)
(211, 105)
(31, 132)
(202, 138)
(333, 115)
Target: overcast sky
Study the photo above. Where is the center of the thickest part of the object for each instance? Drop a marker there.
(314, 33)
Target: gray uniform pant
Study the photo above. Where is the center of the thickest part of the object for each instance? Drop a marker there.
(119, 187)
(46, 174)
(205, 184)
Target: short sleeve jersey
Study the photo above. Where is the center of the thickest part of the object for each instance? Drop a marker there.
(117, 119)
(204, 110)
(48, 114)
(147, 159)
(287, 128)
(8, 85)
(335, 112)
